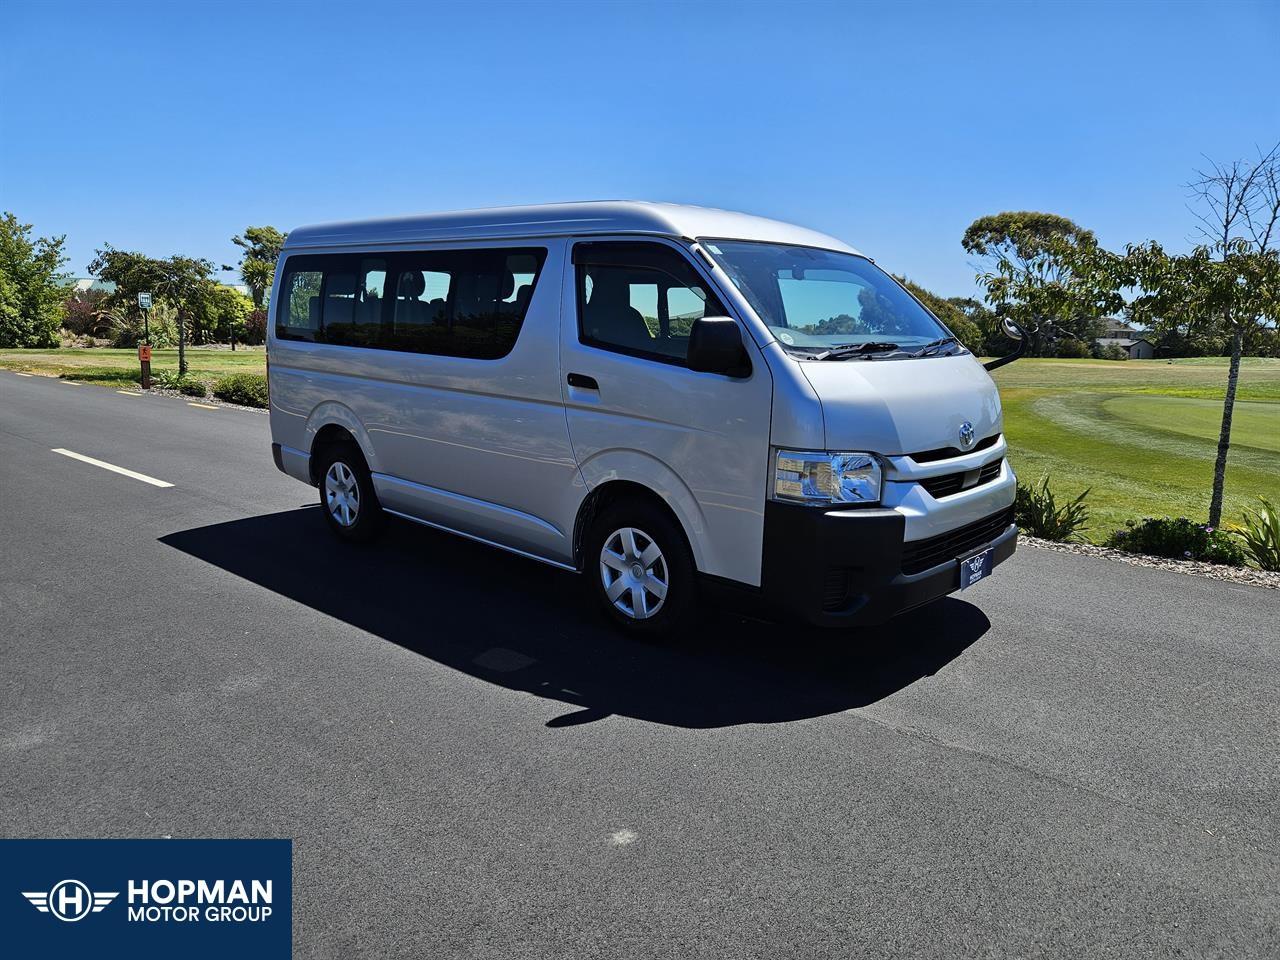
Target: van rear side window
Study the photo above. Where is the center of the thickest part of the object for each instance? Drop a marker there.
(299, 311)
(457, 303)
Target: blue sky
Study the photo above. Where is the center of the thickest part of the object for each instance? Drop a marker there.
(169, 127)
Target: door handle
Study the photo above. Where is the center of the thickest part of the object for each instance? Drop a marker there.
(583, 381)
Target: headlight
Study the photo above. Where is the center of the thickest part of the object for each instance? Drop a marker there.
(826, 477)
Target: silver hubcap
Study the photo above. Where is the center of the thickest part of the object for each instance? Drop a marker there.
(634, 573)
(342, 494)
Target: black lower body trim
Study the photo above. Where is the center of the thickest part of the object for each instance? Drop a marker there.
(835, 568)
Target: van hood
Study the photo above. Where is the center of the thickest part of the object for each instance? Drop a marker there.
(894, 407)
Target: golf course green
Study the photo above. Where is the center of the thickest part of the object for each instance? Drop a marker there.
(1142, 434)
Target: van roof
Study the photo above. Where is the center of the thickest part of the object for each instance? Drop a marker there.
(563, 219)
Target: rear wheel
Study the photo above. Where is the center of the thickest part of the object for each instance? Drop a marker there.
(640, 569)
(347, 497)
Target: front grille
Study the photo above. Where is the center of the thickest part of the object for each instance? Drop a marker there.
(949, 483)
(920, 555)
(946, 453)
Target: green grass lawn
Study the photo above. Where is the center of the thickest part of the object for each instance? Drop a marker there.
(106, 366)
(1143, 434)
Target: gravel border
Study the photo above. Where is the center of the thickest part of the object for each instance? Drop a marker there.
(211, 399)
(134, 387)
(1248, 576)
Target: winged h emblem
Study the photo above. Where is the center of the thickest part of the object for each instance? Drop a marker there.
(70, 900)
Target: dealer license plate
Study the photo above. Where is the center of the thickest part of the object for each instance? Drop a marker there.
(976, 567)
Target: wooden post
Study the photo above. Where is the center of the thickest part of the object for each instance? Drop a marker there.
(144, 358)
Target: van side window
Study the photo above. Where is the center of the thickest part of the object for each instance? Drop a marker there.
(459, 303)
(339, 303)
(298, 314)
(462, 303)
(352, 313)
(640, 298)
(420, 298)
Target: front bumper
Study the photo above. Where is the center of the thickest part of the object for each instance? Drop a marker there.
(841, 567)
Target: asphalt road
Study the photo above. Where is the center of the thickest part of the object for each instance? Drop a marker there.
(1078, 758)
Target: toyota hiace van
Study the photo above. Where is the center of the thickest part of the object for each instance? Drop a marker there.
(669, 400)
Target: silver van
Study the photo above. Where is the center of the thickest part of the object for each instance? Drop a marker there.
(670, 400)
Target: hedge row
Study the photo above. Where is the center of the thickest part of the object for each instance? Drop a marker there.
(247, 389)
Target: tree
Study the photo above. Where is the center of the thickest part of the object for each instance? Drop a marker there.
(1227, 287)
(949, 312)
(1212, 290)
(221, 312)
(262, 246)
(185, 284)
(182, 282)
(1030, 270)
(130, 273)
(994, 341)
(33, 288)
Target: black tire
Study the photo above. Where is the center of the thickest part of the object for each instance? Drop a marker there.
(364, 510)
(673, 611)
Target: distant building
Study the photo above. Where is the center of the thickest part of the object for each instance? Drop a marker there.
(1130, 339)
(1116, 329)
(81, 284)
(1138, 348)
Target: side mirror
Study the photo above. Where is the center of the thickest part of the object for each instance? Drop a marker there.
(1014, 332)
(715, 346)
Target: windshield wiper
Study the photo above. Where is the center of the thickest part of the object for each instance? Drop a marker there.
(931, 348)
(854, 349)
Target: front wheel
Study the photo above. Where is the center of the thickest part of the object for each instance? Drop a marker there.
(350, 503)
(640, 569)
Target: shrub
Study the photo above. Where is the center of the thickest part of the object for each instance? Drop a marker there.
(126, 330)
(1037, 512)
(69, 339)
(171, 380)
(1261, 535)
(255, 329)
(1179, 539)
(167, 379)
(1113, 351)
(1072, 349)
(84, 313)
(248, 389)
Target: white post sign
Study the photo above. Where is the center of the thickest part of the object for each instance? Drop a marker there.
(144, 301)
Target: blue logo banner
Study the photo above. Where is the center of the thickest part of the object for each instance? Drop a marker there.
(147, 898)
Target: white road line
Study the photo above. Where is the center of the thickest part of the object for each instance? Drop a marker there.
(112, 467)
(69, 383)
(16, 374)
(202, 406)
(129, 393)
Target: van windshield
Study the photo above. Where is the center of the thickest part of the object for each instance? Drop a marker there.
(817, 302)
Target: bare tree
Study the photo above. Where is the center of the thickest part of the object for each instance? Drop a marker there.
(1238, 207)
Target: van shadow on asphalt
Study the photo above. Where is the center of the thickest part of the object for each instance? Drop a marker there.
(527, 626)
